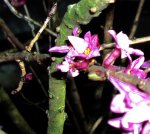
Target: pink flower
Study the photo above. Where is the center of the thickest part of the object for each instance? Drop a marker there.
(122, 42)
(133, 103)
(18, 3)
(29, 76)
(122, 48)
(134, 68)
(86, 48)
(79, 53)
(146, 64)
(134, 119)
(75, 31)
(73, 67)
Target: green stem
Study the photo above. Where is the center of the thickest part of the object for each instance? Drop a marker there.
(57, 93)
(80, 13)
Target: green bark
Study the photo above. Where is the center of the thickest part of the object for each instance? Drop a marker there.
(80, 13)
(57, 93)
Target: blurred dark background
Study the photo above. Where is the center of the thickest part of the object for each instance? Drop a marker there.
(32, 102)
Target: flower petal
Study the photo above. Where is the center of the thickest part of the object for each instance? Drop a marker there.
(113, 34)
(135, 51)
(123, 41)
(79, 44)
(75, 31)
(95, 42)
(118, 104)
(74, 72)
(138, 73)
(115, 122)
(146, 64)
(93, 53)
(64, 67)
(138, 114)
(59, 49)
(136, 64)
(87, 37)
(146, 129)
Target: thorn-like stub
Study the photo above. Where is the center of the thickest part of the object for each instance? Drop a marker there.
(53, 59)
(111, 1)
(93, 10)
(58, 29)
(141, 84)
(61, 109)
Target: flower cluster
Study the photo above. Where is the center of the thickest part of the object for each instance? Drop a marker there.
(80, 52)
(131, 102)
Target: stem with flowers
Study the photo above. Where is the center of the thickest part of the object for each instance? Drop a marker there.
(131, 82)
(80, 13)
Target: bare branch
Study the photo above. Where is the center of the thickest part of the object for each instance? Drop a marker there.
(9, 34)
(134, 42)
(136, 19)
(100, 71)
(26, 18)
(24, 56)
(51, 13)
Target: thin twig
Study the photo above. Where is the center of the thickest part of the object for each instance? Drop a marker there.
(44, 6)
(100, 71)
(2, 131)
(95, 125)
(39, 81)
(10, 36)
(32, 27)
(136, 19)
(109, 23)
(73, 116)
(26, 18)
(24, 56)
(53, 10)
(133, 42)
(23, 73)
(77, 102)
(36, 104)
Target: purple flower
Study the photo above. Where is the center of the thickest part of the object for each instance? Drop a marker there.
(79, 53)
(146, 128)
(122, 48)
(18, 3)
(60, 49)
(73, 67)
(29, 76)
(86, 48)
(134, 119)
(122, 42)
(133, 103)
(75, 31)
(146, 64)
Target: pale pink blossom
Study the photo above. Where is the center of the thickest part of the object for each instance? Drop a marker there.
(79, 52)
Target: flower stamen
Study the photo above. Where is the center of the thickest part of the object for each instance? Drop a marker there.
(87, 51)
